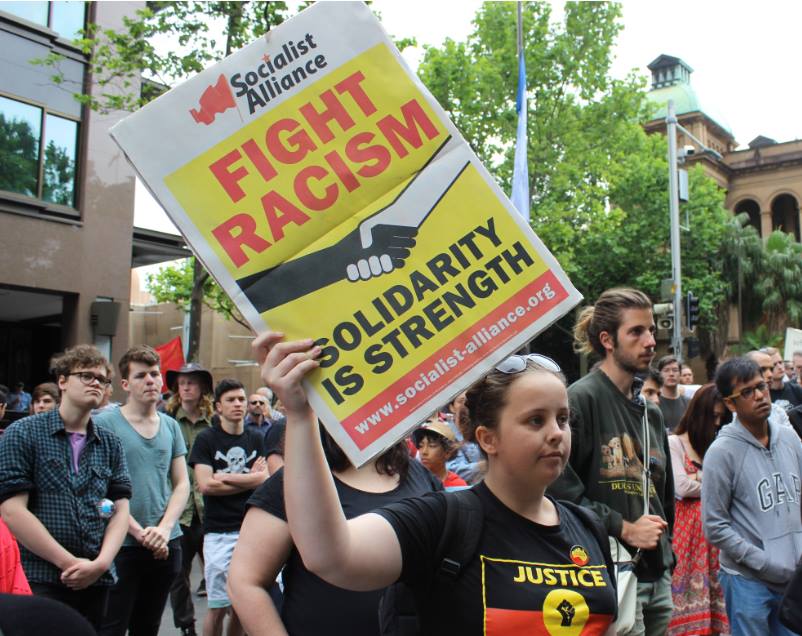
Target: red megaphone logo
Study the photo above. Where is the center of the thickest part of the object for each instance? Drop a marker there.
(217, 98)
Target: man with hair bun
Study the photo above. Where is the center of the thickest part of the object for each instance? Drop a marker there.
(606, 471)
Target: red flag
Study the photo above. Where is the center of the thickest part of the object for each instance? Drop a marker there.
(172, 357)
(217, 98)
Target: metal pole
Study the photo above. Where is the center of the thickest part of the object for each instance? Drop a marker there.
(520, 39)
(673, 202)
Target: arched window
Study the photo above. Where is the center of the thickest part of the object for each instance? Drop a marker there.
(785, 214)
(752, 208)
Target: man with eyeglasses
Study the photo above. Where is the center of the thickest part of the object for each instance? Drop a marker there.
(64, 489)
(778, 414)
(751, 502)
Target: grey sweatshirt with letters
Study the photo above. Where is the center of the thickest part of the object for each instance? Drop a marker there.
(751, 502)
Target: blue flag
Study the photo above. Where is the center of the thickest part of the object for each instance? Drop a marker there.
(520, 173)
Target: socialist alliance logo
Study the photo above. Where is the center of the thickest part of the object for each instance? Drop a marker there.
(216, 99)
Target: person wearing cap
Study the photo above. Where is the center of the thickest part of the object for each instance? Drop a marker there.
(436, 444)
(190, 404)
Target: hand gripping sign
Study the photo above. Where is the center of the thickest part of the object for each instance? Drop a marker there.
(329, 195)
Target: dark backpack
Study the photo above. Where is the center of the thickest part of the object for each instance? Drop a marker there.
(398, 611)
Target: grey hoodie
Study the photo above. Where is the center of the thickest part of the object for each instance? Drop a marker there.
(751, 502)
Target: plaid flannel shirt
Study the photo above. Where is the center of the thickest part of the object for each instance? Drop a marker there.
(36, 458)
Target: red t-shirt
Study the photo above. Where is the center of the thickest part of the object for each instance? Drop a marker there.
(453, 479)
(12, 577)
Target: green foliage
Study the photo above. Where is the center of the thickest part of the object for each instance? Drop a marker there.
(173, 284)
(757, 339)
(59, 176)
(195, 35)
(581, 123)
(19, 156)
(599, 184)
(634, 249)
(780, 282)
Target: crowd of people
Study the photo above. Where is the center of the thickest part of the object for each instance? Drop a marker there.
(521, 502)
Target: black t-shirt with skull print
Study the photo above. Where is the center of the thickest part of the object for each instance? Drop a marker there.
(230, 454)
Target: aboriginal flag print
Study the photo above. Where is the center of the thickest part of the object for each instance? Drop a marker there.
(522, 598)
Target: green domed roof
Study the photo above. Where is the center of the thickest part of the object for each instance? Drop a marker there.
(685, 100)
(671, 80)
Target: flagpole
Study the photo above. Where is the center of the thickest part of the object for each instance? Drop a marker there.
(520, 172)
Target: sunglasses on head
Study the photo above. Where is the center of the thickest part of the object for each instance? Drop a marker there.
(517, 363)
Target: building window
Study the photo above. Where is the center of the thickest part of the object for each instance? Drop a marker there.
(38, 152)
(66, 17)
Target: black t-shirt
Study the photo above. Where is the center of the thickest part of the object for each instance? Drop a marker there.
(22, 615)
(787, 397)
(673, 409)
(526, 578)
(233, 454)
(312, 606)
(274, 438)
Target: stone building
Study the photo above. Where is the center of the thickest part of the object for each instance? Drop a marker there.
(764, 180)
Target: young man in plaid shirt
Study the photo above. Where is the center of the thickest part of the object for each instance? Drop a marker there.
(56, 468)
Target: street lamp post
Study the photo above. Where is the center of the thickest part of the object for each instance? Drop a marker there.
(673, 203)
(672, 128)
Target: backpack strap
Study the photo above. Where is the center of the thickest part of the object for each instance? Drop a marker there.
(593, 523)
(460, 537)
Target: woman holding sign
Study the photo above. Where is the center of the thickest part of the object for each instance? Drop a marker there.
(532, 561)
(265, 548)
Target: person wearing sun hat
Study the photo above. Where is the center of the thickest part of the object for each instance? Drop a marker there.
(190, 404)
(436, 444)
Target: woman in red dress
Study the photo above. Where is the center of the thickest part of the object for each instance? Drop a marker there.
(697, 595)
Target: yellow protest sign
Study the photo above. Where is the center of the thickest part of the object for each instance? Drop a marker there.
(331, 197)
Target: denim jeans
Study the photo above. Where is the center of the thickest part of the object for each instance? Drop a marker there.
(137, 602)
(753, 608)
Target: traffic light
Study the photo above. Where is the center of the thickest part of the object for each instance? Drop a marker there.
(692, 310)
(694, 348)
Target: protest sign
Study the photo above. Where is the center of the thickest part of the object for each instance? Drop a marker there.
(328, 193)
(793, 342)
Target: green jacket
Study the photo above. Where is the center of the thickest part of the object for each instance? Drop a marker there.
(190, 431)
(605, 471)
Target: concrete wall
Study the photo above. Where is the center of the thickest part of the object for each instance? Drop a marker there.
(222, 341)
